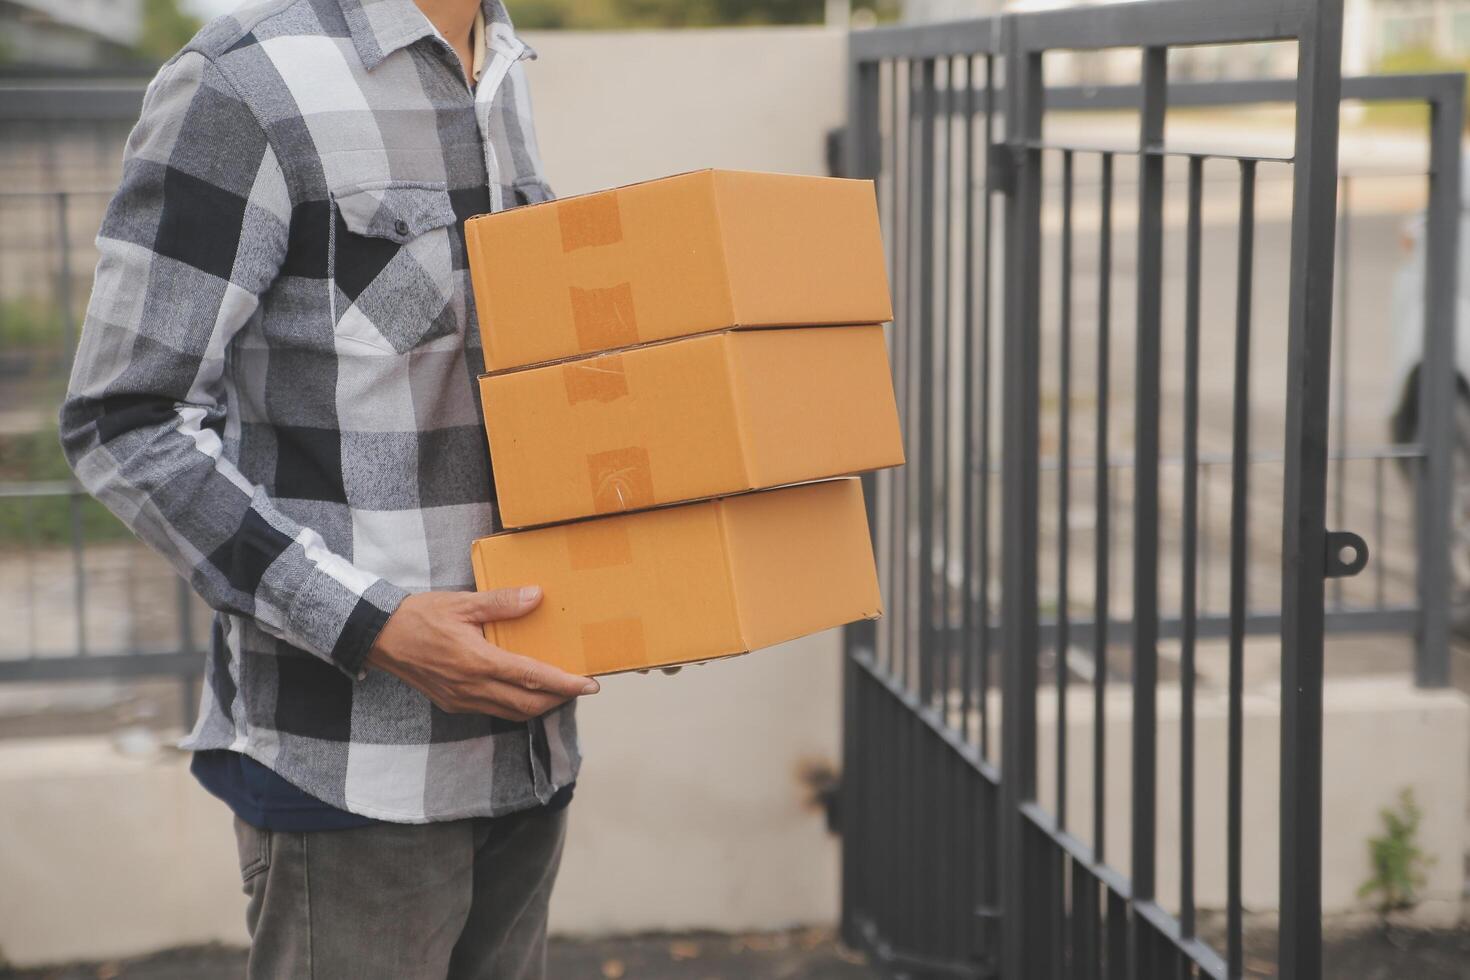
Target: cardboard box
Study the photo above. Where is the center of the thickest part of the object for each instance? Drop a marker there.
(668, 258)
(692, 418)
(682, 584)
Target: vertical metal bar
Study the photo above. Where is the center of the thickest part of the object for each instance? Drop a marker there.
(900, 777)
(927, 634)
(920, 917)
(1379, 582)
(902, 328)
(1064, 468)
(987, 233)
(911, 329)
(1146, 476)
(854, 776)
(1086, 961)
(1117, 955)
(1190, 530)
(886, 190)
(190, 697)
(1102, 517)
(864, 160)
(63, 278)
(1437, 388)
(943, 336)
(864, 156)
(970, 457)
(1303, 551)
(946, 847)
(1239, 556)
(28, 515)
(885, 789)
(69, 344)
(910, 784)
(1019, 529)
(1339, 472)
(1206, 545)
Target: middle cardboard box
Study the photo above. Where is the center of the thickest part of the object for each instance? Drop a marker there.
(689, 419)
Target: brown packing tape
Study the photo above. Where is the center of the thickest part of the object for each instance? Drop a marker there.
(600, 379)
(590, 220)
(604, 317)
(621, 480)
(613, 645)
(598, 544)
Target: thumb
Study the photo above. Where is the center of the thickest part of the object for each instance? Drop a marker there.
(497, 604)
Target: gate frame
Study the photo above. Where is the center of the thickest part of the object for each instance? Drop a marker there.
(1153, 27)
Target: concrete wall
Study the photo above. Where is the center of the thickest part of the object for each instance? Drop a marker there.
(612, 108)
(1382, 736)
(690, 813)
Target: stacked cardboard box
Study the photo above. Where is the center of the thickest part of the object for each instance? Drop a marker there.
(659, 357)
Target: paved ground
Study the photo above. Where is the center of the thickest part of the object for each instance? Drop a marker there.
(1372, 954)
(1358, 954)
(804, 955)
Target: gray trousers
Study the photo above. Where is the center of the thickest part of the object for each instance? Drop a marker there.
(460, 899)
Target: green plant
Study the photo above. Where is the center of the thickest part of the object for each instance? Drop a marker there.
(29, 323)
(1397, 860)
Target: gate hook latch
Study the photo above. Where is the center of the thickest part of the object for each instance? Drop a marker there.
(1347, 554)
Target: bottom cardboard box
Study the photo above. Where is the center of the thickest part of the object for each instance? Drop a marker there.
(686, 583)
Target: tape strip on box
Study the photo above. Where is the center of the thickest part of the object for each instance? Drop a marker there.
(589, 221)
(600, 379)
(621, 480)
(604, 317)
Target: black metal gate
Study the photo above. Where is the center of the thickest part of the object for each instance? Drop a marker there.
(953, 866)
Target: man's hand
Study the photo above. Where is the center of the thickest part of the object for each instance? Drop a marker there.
(434, 642)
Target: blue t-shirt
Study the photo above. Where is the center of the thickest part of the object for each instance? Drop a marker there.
(267, 801)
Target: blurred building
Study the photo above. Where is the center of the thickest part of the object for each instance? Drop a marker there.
(68, 34)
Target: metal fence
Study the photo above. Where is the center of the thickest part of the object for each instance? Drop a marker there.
(1008, 285)
(79, 596)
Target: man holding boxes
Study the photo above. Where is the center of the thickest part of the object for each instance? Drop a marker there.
(276, 389)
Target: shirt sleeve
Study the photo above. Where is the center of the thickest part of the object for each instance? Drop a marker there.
(193, 238)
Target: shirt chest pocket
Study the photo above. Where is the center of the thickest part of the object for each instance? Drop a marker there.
(392, 265)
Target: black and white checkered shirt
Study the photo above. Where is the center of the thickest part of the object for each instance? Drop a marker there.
(275, 383)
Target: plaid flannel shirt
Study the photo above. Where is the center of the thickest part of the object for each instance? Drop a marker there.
(275, 383)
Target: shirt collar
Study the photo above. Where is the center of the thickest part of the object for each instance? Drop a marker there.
(381, 27)
(477, 46)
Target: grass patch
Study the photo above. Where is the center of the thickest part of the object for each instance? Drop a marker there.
(30, 324)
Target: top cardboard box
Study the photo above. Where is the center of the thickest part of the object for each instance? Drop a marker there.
(667, 258)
